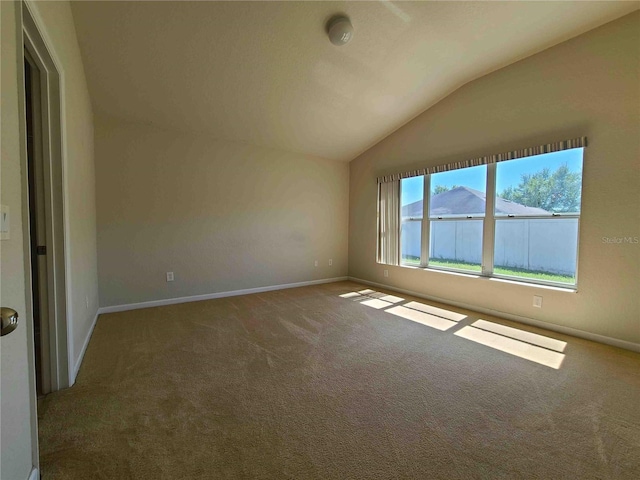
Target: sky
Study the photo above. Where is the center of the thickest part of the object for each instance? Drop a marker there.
(508, 173)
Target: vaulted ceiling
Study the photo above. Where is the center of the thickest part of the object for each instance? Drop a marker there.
(265, 73)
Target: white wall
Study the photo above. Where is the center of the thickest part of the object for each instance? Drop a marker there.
(222, 216)
(585, 86)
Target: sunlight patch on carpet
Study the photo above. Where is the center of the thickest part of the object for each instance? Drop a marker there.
(376, 303)
(391, 299)
(369, 294)
(351, 295)
(438, 312)
(427, 319)
(517, 334)
(433, 317)
(521, 349)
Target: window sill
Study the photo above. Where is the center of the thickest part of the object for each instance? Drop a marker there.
(557, 288)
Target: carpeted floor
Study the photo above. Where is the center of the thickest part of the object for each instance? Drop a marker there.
(306, 384)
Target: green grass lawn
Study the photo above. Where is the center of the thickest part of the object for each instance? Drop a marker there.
(472, 267)
(509, 271)
(410, 260)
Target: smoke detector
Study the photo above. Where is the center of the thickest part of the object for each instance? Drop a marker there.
(340, 30)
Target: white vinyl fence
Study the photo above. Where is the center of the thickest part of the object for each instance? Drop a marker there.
(548, 245)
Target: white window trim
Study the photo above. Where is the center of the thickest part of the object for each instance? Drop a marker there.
(488, 234)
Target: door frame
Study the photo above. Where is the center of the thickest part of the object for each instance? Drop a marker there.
(38, 225)
(34, 40)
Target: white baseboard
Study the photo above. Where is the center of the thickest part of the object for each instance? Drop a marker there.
(615, 342)
(35, 474)
(76, 367)
(210, 296)
(193, 298)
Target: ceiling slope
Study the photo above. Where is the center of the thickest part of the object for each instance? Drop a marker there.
(265, 73)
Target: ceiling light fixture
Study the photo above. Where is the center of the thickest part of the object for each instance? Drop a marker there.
(340, 30)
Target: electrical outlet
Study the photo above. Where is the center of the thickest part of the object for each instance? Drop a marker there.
(315, 264)
(86, 299)
(386, 273)
(169, 276)
(330, 261)
(537, 301)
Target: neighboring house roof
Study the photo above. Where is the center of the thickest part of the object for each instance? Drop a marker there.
(467, 201)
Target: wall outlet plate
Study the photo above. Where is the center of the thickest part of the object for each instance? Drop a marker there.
(537, 301)
(386, 273)
(169, 276)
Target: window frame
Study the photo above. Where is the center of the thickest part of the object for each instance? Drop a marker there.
(490, 218)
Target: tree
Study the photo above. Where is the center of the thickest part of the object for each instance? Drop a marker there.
(554, 192)
(442, 188)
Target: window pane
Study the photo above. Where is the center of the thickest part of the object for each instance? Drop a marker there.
(541, 249)
(411, 237)
(411, 201)
(459, 193)
(540, 185)
(456, 244)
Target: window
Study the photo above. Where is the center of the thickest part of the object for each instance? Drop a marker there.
(456, 214)
(515, 219)
(411, 213)
(537, 209)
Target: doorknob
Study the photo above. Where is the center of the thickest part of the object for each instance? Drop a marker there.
(9, 321)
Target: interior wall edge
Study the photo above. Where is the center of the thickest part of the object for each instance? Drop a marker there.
(78, 361)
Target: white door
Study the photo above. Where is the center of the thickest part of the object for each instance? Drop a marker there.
(18, 434)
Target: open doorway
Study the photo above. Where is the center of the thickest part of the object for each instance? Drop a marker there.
(37, 225)
(44, 232)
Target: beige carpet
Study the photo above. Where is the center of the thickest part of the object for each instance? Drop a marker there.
(306, 384)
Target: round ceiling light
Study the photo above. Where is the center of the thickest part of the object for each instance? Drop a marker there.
(340, 30)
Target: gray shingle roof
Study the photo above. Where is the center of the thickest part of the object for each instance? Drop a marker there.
(467, 201)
